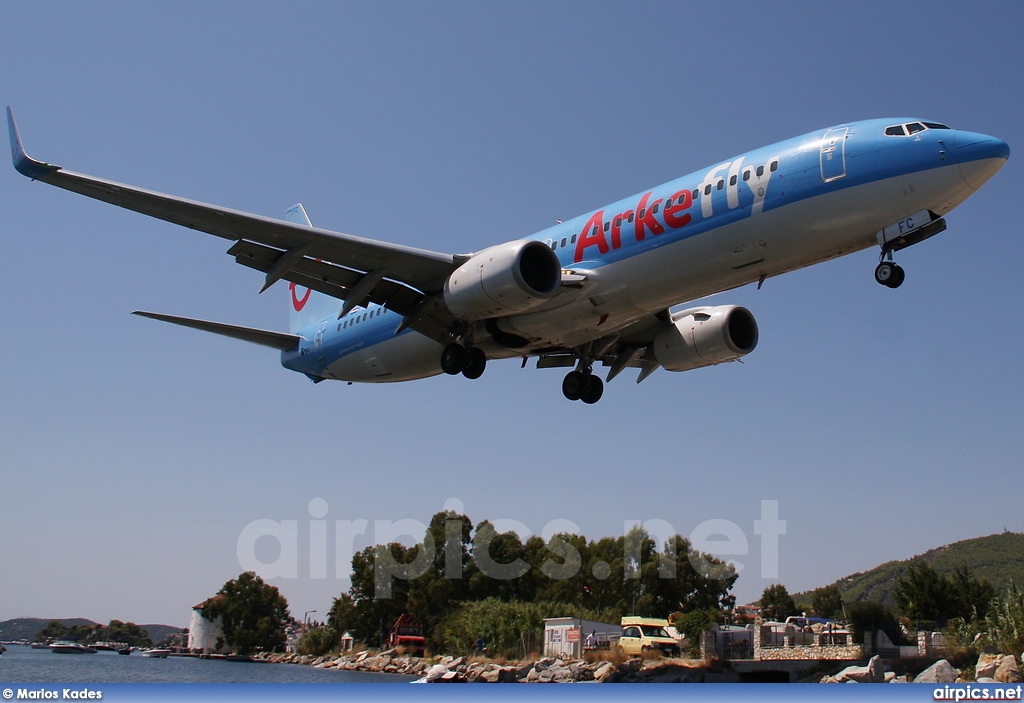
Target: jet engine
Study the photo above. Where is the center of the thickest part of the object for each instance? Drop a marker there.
(705, 336)
(503, 279)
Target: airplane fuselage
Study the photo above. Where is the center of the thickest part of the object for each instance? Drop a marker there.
(776, 209)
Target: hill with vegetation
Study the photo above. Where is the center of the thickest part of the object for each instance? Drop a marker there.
(19, 629)
(998, 558)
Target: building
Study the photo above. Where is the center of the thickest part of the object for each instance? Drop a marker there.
(566, 638)
(205, 636)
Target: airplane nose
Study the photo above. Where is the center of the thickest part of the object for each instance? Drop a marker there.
(979, 156)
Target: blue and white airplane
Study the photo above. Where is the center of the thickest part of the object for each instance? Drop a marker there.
(599, 288)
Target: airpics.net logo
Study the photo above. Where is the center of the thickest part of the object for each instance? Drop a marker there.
(273, 549)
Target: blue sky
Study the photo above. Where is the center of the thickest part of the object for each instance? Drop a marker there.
(135, 454)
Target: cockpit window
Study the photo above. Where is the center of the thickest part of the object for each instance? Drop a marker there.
(902, 130)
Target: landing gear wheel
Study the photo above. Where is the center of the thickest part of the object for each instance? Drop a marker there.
(889, 274)
(573, 385)
(901, 276)
(593, 391)
(453, 359)
(475, 363)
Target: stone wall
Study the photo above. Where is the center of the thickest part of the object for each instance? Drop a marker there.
(820, 650)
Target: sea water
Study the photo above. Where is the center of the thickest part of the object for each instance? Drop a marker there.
(27, 665)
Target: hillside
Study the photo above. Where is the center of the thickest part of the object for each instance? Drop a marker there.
(26, 628)
(998, 558)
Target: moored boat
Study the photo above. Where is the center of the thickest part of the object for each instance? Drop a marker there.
(71, 648)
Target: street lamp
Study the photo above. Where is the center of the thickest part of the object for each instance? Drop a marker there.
(305, 618)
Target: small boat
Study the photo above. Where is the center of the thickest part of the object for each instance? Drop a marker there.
(125, 650)
(156, 653)
(71, 648)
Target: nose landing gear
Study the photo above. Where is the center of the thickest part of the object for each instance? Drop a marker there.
(888, 273)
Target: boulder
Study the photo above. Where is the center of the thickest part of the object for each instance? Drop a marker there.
(874, 672)
(1007, 671)
(986, 666)
(604, 671)
(939, 672)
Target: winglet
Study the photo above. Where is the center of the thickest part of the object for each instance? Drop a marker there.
(25, 165)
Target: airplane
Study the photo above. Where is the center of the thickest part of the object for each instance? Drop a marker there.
(601, 288)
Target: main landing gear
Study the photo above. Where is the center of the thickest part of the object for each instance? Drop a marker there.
(888, 273)
(583, 385)
(469, 361)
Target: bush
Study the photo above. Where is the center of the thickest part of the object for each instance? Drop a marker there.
(317, 642)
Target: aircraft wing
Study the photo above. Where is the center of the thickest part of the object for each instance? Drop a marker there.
(392, 275)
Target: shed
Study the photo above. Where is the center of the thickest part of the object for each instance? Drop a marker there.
(567, 637)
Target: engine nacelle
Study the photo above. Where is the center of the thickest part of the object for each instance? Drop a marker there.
(502, 280)
(705, 336)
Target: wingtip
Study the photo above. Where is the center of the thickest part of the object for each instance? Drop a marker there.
(23, 163)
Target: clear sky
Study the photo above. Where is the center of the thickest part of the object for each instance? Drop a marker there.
(135, 454)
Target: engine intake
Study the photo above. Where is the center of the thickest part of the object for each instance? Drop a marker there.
(705, 336)
(503, 279)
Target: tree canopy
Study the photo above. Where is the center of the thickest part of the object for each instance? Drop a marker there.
(456, 565)
(776, 603)
(253, 614)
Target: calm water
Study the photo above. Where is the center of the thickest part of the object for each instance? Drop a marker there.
(26, 665)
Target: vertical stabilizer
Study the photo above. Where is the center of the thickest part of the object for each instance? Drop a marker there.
(307, 307)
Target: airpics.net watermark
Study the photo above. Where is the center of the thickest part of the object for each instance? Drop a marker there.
(719, 538)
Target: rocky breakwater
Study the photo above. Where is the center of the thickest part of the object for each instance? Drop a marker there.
(478, 670)
(991, 668)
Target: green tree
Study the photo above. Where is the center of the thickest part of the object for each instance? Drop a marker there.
(127, 632)
(827, 602)
(867, 617)
(342, 616)
(377, 605)
(923, 594)
(776, 603)
(253, 614)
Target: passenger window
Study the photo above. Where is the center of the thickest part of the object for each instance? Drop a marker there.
(773, 166)
(707, 189)
(746, 174)
(721, 184)
(564, 241)
(733, 179)
(573, 240)
(760, 171)
(655, 208)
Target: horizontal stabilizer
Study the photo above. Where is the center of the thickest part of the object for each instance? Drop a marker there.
(277, 340)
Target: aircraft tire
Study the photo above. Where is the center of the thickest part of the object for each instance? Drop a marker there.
(898, 279)
(593, 390)
(889, 274)
(573, 385)
(475, 364)
(453, 359)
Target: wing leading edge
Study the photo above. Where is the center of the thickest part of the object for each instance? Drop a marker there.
(330, 262)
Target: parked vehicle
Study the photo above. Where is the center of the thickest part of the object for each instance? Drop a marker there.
(647, 636)
(408, 635)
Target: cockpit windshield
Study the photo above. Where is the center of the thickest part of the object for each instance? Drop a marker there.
(908, 128)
